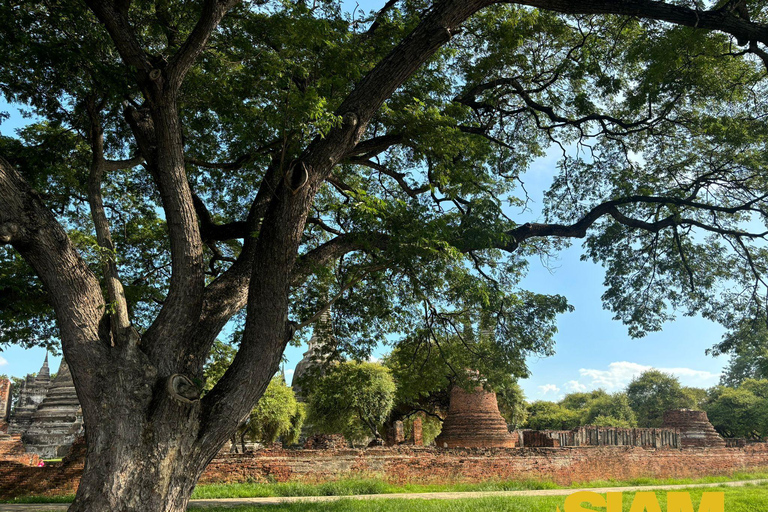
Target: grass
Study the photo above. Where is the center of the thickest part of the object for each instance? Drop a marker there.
(352, 487)
(737, 499)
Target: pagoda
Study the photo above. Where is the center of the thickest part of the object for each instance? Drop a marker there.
(32, 393)
(57, 420)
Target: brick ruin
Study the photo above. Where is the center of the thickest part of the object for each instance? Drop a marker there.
(429, 465)
(5, 403)
(474, 421)
(602, 436)
(681, 428)
(47, 418)
(319, 344)
(694, 427)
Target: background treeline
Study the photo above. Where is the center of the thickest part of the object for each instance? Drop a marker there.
(736, 410)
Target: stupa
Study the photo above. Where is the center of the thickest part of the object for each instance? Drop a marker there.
(474, 421)
(32, 393)
(694, 427)
(320, 345)
(58, 419)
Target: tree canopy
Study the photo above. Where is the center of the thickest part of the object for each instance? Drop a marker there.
(740, 411)
(198, 162)
(577, 409)
(352, 399)
(653, 393)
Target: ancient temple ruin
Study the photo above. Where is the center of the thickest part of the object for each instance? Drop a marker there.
(694, 427)
(321, 344)
(474, 421)
(48, 414)
(32, 393)
(6, 388)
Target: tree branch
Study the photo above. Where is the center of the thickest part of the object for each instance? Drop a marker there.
(725, 20)
(266, 329)
(30, 227)
(119, 318)
(182, 61)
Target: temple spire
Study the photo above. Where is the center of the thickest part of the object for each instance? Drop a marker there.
(45, 373)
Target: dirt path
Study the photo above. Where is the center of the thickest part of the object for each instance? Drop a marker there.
(238, 502)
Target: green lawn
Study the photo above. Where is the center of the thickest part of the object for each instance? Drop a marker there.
(742, 499)
(351, 487)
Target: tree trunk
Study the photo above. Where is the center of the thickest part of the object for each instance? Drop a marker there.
(138, 478)
(143, 442)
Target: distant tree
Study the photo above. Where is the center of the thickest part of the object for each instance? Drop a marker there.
(351, 398)
(738, 412)
(653, 393)
(609, 410)
(277, 414)
(544, 415)
(293, 434)
(220, 358)
(758, 387)
(697, 396)
(588, 408)
(512, 404)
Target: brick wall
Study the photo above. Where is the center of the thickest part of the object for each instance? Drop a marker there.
(12, 450)
(424, 465)
(5, 399)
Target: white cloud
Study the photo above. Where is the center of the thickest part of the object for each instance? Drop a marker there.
(289, 372)
(546, 388)
(621, 373)
(617, 376)
(3, 362)
(575, 386)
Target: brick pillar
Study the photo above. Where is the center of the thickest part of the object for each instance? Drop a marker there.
(5, 400)
(417, 431)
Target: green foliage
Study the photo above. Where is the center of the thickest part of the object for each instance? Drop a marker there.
(277, 414)
(543, 415)
(220, 358)
(293, 435)
(512, 404)
(16, 383)
(576, 409)
(352, 399)
(653, 393)
(739, 412)
(697, 396)
(428, 363)
(747, 342)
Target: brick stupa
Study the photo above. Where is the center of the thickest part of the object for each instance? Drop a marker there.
(694, 427)
(474, 421)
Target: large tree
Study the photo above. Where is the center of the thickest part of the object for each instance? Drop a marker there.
(199, 161)
(653, 393)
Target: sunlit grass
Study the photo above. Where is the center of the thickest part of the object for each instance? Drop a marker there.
(352, 487)
(737, 499)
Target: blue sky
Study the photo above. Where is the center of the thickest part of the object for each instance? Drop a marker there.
(592, 351)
